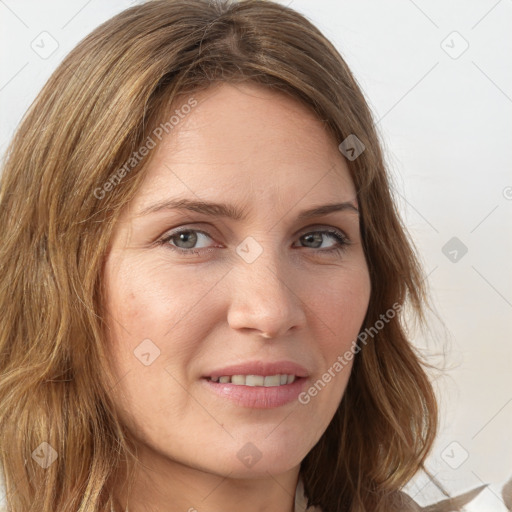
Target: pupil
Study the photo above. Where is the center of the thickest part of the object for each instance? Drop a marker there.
(188, 238)
(312, 237)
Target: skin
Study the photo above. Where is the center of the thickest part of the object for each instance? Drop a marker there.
(268, 154)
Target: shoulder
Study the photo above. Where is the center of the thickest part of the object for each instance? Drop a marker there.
(397, 502)
(402, 502)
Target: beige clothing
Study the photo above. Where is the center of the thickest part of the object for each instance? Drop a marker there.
(300, 500)
(403, 502)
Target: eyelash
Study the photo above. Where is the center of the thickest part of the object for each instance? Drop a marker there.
(340, 247)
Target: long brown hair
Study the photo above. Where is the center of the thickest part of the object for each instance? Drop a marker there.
(57, 216)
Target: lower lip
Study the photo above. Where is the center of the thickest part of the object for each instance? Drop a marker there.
(258, 397)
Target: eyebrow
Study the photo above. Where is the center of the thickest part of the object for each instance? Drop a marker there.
(235, 213)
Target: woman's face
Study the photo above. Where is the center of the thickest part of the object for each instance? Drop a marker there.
(188, 311)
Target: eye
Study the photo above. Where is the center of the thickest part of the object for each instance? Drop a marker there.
(317, 238)
(185, 240)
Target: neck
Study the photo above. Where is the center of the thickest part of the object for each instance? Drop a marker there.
(169, 486)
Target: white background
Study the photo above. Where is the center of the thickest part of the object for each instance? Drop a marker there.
(445, 118)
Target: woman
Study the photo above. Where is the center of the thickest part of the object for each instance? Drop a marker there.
(205, 277)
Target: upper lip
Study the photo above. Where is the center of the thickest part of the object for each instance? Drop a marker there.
(264, 368)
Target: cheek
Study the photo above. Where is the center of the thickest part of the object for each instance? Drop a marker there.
(340, 303)
(151, 300)
(338, 307)
(151, 295)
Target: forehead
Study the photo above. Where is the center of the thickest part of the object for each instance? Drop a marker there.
(246, 141)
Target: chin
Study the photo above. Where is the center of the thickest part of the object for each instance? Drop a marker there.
(258, 456)
(261, 469)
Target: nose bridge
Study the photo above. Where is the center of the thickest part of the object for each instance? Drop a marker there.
(261, 269)
(263, 298)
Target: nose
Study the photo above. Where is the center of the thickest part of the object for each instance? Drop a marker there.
(265, 299)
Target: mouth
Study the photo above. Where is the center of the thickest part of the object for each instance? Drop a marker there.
(257, 384)
(256, 391)
(267, 381)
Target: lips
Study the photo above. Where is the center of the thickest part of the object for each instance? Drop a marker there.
(259, 369)
(259, 384)
(256, 380)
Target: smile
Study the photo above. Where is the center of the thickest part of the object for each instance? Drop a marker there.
(255, 380)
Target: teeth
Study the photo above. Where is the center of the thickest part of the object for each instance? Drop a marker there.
(236, 379)
(250, 380)
(255, 380)
(273, 380)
